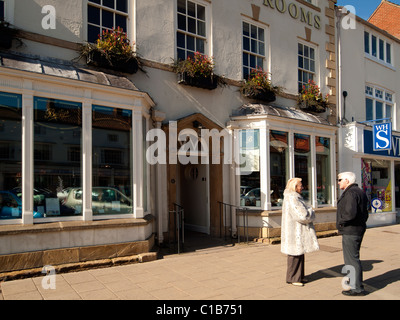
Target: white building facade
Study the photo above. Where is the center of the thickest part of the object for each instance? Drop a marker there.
(74, 138)
(369, 75)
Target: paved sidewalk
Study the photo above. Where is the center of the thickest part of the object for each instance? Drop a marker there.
(241, 272)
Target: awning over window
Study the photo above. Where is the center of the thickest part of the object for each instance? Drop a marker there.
(64, 69)
(279, 111)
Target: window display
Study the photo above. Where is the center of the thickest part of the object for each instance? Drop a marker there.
(302, 163)
(57, 156)
(250, 193)
(279, 165)
(10, 156)
(376, 183)
(323, 156)
(112, 163)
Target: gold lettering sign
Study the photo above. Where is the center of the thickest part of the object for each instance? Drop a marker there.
(295, 12)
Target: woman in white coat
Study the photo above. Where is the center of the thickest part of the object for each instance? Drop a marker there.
(297, 233)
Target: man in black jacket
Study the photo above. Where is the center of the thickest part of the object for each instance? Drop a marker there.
(352, 215)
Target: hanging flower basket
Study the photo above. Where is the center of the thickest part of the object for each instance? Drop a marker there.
(112, 51)
(197, 71)
(259, 87)
(209, 83)
(311, 99)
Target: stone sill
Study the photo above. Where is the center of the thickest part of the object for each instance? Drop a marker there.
(73, 225)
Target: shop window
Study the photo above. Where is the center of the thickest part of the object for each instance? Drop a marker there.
(279, 165)
(250, 192)
(106, 15)
(253, 48)
(56, 171)
(302, 163)
(10, 156)
(323, 159)
(306, 65)
(191, 33)
(112, 162)
(377, 184)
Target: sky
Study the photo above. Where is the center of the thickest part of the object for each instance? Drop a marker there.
(364, 8)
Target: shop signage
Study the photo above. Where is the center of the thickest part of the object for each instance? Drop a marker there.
(394, 151)
(382, 136)
(295, 11)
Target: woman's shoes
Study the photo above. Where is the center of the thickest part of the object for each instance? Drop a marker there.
(297, 284)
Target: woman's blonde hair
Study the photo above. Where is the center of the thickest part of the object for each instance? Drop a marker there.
(292, 183)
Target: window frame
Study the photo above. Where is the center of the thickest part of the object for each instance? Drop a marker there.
(379, 95)
(382, 55)
(303, 70)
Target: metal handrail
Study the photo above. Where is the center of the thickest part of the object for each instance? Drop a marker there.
(223, 213)
(179, 226)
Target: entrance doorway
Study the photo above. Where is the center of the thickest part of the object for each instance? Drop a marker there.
(194, 196)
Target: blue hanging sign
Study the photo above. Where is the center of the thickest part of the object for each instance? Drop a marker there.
(382, 136)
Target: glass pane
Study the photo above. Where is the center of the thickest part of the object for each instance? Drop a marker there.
(377, 183)
(57, 156)
(108, 19)
(190, 41)
(200, 45)
(379, 110)
(182, 6)
(122, 5)
(261, 34)
(201, 12)
(201, 28)
(109, 4)
(181, 22)
(388, 111)
(10, 156)
(246, 29)
(388, 53)
(250, 192)
(323, 157)
(93, 33)
(279, 165)
(381, 50)
(181, 40)
(246, 43)
(93, 15)
(300, 49)
(253, 32)
(253, 46)
(191, 9)
(366, 42)
(120, 21)
(112, 152)
(369, 111)
(192, 25)
(261, 49)
(374, 46)
(302, 163)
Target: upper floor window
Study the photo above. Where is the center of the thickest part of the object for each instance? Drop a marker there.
(191, 33)
(378, 104)
(106, 14)
(377, 48)
(253, 48)
(306, 65)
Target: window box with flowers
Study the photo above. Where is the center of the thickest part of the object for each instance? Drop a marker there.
(311, 99)
(197, 71)
(112, 50)
(259, 87)
(7, 34)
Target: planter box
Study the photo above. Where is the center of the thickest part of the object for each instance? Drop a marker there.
(96, 59)
(199, 82)
(261, 95)
(312, 106)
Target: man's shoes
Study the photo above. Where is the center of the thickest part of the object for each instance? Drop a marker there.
(297, 284)
(354, 293)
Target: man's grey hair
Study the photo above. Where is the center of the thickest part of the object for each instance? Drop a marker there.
(350, 176)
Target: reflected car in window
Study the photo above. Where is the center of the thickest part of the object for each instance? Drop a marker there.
(252, 198)
(105, 200)
(11, 206)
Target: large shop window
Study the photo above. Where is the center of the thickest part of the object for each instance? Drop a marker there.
(302, 163)
(377, 184)
(250, 192)
(10, 156)
(57, 160)
(112, 161)
(279, 165)
(323, 158)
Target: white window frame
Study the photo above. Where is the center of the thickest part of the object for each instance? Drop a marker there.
(387, 98)
(315, 73)
(377, 58)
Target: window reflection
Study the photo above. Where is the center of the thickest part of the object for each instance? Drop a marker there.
(302, 162)
(279, 166)
(57, 160)
(323, 156)
(250, 192)
(112, 162)
(10, 156)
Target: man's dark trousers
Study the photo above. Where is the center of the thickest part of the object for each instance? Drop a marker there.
(351, 254)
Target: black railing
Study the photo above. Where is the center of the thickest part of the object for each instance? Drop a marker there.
(176, 222)
(225, 210)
